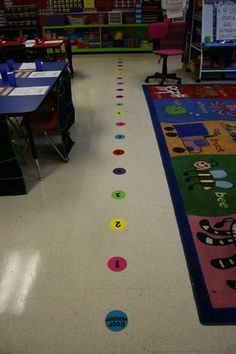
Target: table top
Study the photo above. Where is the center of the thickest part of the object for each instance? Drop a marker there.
(49, 43)
(27, 104)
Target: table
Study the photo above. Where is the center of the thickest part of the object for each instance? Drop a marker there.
(23, 106)
(42, 46)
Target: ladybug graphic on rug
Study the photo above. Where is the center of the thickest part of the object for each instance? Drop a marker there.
(207, 177)
(220, 238)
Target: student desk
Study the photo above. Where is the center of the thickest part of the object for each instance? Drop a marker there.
(42, 46)
(11, 178)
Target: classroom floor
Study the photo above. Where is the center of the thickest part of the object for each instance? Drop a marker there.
(55, 286)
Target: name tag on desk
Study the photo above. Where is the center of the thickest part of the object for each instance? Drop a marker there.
(29, 91)
(46, 74)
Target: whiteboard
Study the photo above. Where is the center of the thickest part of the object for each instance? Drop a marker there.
(225, 20)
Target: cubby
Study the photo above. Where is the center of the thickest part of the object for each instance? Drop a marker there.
(100, 37)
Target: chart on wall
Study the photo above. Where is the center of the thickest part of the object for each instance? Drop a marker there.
(219, 21)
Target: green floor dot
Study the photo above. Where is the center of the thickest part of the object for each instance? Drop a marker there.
(120, 104)
(118, 195)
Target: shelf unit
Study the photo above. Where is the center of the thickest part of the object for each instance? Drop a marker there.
(19, 20)
(213, 60)
(99, 37)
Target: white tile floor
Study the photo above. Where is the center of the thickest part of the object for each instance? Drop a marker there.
(55, 287)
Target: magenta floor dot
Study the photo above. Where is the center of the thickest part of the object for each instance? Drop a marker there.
(119, 171)
(118, 152)
(120, 124)
(119, 78)
(119, 96)
(119, 136)
(116, 320)
(117, 264)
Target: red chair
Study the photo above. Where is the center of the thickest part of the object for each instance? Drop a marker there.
(46, 119)
(157, 31)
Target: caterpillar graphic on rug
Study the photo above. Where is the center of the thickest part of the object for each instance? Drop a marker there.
(230, 238)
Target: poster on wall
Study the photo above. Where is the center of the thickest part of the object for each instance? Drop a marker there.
(225, 20)
(174, 8)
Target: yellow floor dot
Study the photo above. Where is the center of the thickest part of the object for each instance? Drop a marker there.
(118, 224)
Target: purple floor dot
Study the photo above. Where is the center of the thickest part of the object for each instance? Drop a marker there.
(119, 171)
(119, 96)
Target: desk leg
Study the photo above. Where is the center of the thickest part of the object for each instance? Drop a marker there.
(32, 145)
(54, 54)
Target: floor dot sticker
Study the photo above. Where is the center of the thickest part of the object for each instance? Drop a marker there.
(119, 104)
(118, 152)
(117, 224)
(119, 78)
(119, 96)
(119, 89)
(116, 320)
(120, 124)
(117, 264)
(119, 113)
(119, 136)
(118, 195)
(120, 83)
(119, 171)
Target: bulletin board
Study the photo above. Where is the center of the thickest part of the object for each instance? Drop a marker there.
(219, 21)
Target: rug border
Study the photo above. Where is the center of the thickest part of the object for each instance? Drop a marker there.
(207, 314)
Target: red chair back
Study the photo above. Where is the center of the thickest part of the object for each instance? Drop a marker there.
(157, 30)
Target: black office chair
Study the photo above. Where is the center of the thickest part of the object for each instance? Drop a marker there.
(15, 52)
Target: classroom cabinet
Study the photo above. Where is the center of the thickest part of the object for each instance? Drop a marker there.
(211, 51)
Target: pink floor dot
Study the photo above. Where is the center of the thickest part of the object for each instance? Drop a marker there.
(117, 264)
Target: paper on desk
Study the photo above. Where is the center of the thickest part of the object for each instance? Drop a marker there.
(28, 66)
(29, 43)
(29, 91)
(53, 42)
(42, 74)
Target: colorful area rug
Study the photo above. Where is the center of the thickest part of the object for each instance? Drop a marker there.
(195, 126)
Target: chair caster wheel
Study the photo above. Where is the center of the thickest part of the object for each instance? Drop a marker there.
(147, 80)
(198, 80)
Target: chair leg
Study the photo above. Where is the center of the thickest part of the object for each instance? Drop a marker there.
(64, 158)
(154, 76)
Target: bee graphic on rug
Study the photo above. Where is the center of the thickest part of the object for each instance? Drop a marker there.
(229, 238)
(207, 178)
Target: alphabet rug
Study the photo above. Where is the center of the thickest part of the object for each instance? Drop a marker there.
(195, 127)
